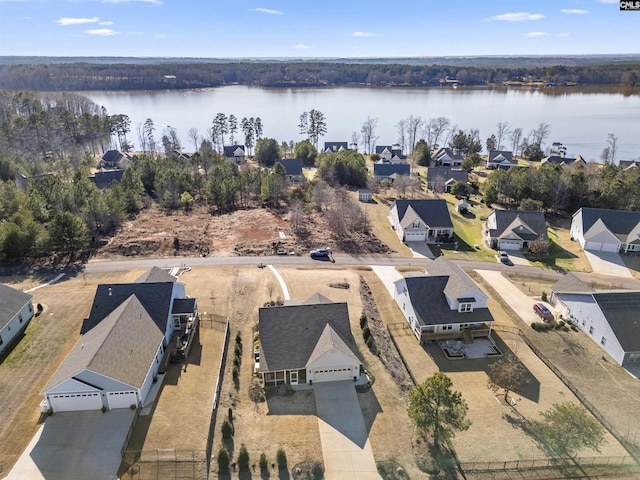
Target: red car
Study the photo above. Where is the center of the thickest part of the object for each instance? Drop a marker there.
(543, 312)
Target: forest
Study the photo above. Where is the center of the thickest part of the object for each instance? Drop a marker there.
(199, 74)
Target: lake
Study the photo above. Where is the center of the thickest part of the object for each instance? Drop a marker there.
(580, 119)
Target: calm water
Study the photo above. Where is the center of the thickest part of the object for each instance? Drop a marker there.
(581, 121)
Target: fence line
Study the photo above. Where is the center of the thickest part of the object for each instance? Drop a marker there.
(406, 366)
(582, 462)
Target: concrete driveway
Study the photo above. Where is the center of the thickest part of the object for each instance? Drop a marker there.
(387, 275)
(420, 250)
(76, 445)
(521, 303)
(346, 448)
(606, 263)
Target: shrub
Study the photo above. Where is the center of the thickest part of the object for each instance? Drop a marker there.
(243, 457)
(237, 351)
(176, 243)
(544, 296)
(235, 373)
(227, 429)
(104, 409)
(366, 333)
(236, 361)
(281, 458)
(223, 459)
(264, 464)
(363, 320)
(231, 414)
(239, 339)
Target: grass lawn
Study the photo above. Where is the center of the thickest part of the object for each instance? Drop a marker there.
(633, 264)
(557, 259)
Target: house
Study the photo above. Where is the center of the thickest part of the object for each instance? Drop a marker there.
(390, 154)
(104, 178)
(114, 159)
(564, 162)
(16, 311)
(514, 229)
(602, 230)
(446, 158)
(307, 343)
(365, 195)
(234, 153)
(628, 165)
(441, 179)
(22, 181)
(610, 318)
(421, 220)
(333, 147)
(446, 303)
(384, 171)
(293, 169)
(501, 159)
(123, 341)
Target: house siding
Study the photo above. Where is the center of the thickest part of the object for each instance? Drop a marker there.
(15, 327)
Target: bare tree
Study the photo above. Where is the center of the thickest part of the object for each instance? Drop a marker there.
(194, 137)
(504, 129)
(540, 134)
(414, 125)
(401, 184)
(368, 131)
(321, 195)
(507, 374)
(435, 129)
(355, 139)
(540, 246)
(402, 133)
(515, 137)
(612, 141)
(297, 217)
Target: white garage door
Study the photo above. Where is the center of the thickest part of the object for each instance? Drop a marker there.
(602, 247)
(609, 247)
(332, 374)
(509, 245)
(414, 237)
(75, 401)
(122, 399)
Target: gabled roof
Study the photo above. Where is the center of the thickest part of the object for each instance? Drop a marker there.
(316, 299)
(569, 283)
(458, 283)
(432, 212)
(11, 302)
(335, 146)
(230, 150)
(381, 148)
(622, 311)
(330, 340)
(121, 347)
(566, 161)
(443, 174)
(155, 275)
(525, 225)
(290, 334)
(388, 169)
(104, 178)
(112, 156)
(292, 166)
(629, 164)
(501, 156)
(623, 224)
(447, 152)
(154, 297)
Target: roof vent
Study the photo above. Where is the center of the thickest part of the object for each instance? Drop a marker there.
(109, 291)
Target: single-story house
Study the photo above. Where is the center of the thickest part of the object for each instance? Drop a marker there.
(333, 147)
(384, 171)
(293, 169)
(123, 341)
(421, 220)
(16, 311)
(391, 153)
(610, 319)
(602, 230)
(234, 152)
(629, 165)
(446, 158)
(443, 178)
(446, 303)
(307, 343)
(514, 229)
(104, 178)
(564, 162)
(501, 159)
(114, 159)
(365, 195)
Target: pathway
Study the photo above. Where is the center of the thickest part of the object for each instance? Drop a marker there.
(283, 285)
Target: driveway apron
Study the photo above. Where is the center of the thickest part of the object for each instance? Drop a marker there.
(607, 263)
(346, 448)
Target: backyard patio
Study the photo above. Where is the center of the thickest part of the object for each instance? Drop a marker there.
(480, 348)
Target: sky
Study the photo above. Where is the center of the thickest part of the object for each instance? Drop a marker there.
(320, 28)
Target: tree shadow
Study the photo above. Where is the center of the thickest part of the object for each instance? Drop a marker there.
(283, 474)
(245, 474)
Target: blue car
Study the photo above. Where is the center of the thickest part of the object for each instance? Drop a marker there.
(319, 253)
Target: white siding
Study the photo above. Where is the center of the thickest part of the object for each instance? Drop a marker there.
(333, 366)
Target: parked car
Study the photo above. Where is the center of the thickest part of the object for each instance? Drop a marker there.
(503, 257)
(319, 253)
(543, 312)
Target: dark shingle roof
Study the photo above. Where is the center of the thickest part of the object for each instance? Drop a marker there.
(112, 156)
(569, 283)
(620, 222)
(229, 151)
(433, 212)
(183, 306)
(292, 166)
(103, 179)
(508, 155)
(442, 174)
(154, 297)
(622, 310)
(11, 302)
(289, 335)
(519, 223)
(335, 146)
(388, 169)
(155, 275)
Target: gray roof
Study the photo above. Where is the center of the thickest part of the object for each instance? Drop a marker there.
(155, 298)
(183, 306)
(292, 166)
(506, 154)
(442, 174)
(104, 178)
(330, 340)
(112, 156)
(316, 299)
(123, 347)
(458, 283)
(526, 225)
(289, 335)
(629, 164)
(335, 146)
(622, 311)
(620, 222)
(155, 275)
(11, 302)
(433, 212)
(229, 151)
(569, 283)
(388, 169)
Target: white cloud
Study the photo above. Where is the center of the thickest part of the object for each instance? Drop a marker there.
(64, 21)
(363, 34)
(536, 34)
(105, 32)
(516, 17)
(575, 11)
(565, 34)
(267, 10)
(301, 46)
(105, 23)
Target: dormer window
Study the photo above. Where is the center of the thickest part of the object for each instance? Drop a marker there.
(416, 224)
(465, 307)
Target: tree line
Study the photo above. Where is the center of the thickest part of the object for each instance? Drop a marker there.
(131, 76)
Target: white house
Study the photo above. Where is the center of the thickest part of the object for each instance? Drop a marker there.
(307, 343)
(446, 303)
(500, 159)
(16, 311)
(421, 220)
(514, 229)
(234, 152)
(446, 158)
(603, 230)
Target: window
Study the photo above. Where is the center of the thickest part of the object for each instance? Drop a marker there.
(465, 307)
(590, 330)
(447, 327)
(416, 224)
(603, 341)
(20, 318)
(634, 357)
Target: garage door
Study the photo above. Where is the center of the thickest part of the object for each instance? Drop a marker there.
(414, 237)
(332, 374)
(122, 399)
(609, 247)
(509, 245)
(602, 247)
(75, 401)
